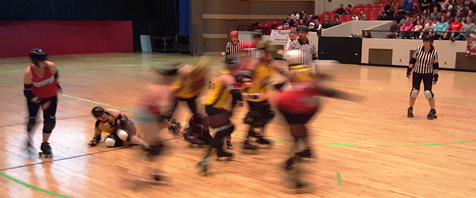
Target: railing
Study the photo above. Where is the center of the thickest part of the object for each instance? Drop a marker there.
(413, 34)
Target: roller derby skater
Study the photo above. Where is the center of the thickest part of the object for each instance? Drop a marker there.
(298, 106)
(217, 102)
(41, 89)
(197, 134)
(122, 131)
(153, 109)
(424, 64)
(190, 84)
(259, 108)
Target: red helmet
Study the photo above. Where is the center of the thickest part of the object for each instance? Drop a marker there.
(234, 33)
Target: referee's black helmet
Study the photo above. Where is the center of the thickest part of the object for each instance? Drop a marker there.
(428, 37)
(257, 33)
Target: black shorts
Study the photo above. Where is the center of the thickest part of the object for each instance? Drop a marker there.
(293, 118)
(426, 78)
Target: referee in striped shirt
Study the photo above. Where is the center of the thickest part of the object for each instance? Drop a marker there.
(306, 46)
(424, 64)
(233, 46)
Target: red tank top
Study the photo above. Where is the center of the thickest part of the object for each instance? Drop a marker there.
(44, 86)
(298, 100)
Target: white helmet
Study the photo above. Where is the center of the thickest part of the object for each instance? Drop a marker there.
(293, 57)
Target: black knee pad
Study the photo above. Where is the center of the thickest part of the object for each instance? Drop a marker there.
(49, 124)
(31, 124)
(270, 116)
(254, 118)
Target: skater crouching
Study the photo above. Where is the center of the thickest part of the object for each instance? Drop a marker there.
(122, 130)
(41, 89)
(424, 64)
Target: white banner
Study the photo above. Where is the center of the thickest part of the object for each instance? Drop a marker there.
(283, 35)
(279, 35)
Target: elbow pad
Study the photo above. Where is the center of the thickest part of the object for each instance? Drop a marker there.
(436, 65)
(412, 61)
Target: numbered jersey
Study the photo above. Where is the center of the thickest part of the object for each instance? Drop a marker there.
(44, 86)
(219, 96)
(261, 79)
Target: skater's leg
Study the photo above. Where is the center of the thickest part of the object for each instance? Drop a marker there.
(32, 113)
(192, 104)
(427, 83)
(49, 116)
(416, 81)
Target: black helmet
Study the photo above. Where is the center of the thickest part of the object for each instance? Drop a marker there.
(232, 61)
(38, 54)
(98, 111)
(257, 33)
(428, 37)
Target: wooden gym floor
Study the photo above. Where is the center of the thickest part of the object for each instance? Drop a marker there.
(366, 149)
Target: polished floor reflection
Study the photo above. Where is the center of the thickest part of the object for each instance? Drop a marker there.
(376, 149)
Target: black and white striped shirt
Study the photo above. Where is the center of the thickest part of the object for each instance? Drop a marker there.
(424, 60)
(232, 48)
(254, 53)
(308, 49)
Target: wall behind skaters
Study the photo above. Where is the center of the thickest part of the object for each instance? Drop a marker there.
(64, 37)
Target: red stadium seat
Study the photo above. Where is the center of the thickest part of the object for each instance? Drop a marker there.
(262, 25)
(349, 17)
(359, 5)
(342, 17)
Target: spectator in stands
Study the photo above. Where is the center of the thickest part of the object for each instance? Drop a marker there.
(424, 4)
(326, 23)
(458, 14)
(382, 16)
(288, 21)
(310, 21)
(348, 11)
(405, 30)
(425, 16)
(467, 28)
(466, 10)
(446, 4)
(301, 22)
(362, 17)
(393, 30)
(449, 18)
(428, 28)
(453, 30)
(292, 37)
(340, 10)
(435, 13)
(441, 27)
(302, 13)
(317, 28)
(416, 30)
(470, 14)
(389, 7)
(295, 16)
(418, 18)
(367, 34)
(404, 20)
(355, 17)
(408, 5)
(336, 21)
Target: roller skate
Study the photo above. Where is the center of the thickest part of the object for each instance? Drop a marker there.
(203, 166)
(410, 112)
(155, 150)
(229, 146)
(288, 165)
(432, 115)
(264, 142)
(305, 154)
(249, 148)
(145, 146)
(175, 128)
(222, 153)
(30, 148)
(45, 150)
(195, 141)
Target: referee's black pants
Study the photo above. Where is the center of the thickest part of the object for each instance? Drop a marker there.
(426, 78)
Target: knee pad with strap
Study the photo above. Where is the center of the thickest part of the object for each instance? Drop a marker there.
(49, 124)
(414, 93)
(428, 94)
(113, 141)
(123, 135)
(251, 118)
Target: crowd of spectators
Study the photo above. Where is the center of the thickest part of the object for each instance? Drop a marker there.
(451, 20)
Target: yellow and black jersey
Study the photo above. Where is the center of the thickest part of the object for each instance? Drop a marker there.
(219, 97)
(111, 122)
(261, 79)
(302, 73)
(187, 88)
